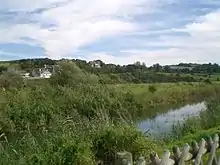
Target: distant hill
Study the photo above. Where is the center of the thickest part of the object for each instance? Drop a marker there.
(135, 73)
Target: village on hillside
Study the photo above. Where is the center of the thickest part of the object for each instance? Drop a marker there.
(47, 71)
(39, 73)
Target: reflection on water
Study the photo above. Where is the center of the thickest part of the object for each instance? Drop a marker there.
(163, 123)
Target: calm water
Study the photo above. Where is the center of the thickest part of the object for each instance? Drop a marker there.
(163, 123)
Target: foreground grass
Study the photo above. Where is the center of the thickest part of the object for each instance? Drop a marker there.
(189, 137)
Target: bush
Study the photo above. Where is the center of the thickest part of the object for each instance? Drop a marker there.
(152, 88)
(116, 138)
(11, 79)
(207, 81)
(67, 73)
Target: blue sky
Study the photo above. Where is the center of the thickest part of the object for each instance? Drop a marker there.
(116, 31)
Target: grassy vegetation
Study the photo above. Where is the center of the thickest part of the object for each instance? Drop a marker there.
(168, 95)
(189, 137)
(5, 64)
(72, 119)
(198, 77)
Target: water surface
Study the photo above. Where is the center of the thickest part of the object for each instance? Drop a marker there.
(163, 123)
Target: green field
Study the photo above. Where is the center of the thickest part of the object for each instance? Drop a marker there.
(169, 93)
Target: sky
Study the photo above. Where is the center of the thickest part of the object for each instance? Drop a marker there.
(114, 31)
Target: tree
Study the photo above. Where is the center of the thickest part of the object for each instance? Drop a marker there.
(152, 88)
(68, 73)
(207, 81)
(157, 67)
(138, 63)
(166, 69)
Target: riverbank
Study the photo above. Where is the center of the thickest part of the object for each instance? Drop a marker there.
(162, 124)
(208, 119)
(168, 95)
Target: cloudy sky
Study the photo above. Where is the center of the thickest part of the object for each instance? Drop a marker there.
(115, 31)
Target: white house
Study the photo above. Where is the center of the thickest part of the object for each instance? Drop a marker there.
(45, 74)
(26, 75)
(95, 64)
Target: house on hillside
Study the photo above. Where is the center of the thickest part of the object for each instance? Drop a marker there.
(23, 74)
(96, 64)
(44, 73)
(26, 75)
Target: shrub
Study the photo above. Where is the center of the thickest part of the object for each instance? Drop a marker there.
(152, 88)
(11, 79)
(116, 138)
(207, 81)
(69, 74)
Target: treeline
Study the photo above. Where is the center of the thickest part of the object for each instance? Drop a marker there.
(131, 73)
(145, 77)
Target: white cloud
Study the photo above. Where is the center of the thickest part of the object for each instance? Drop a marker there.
(77, 23)
(27, 5)
(164, 57)
(200, 45)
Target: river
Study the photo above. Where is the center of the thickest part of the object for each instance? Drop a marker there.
(163, 123)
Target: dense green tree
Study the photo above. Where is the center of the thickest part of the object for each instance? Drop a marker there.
(68, 73)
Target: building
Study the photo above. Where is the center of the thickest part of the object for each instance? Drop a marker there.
(96, 64)
(26, 75)
(45, 74)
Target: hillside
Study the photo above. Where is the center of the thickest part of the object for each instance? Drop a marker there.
(131, 73)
